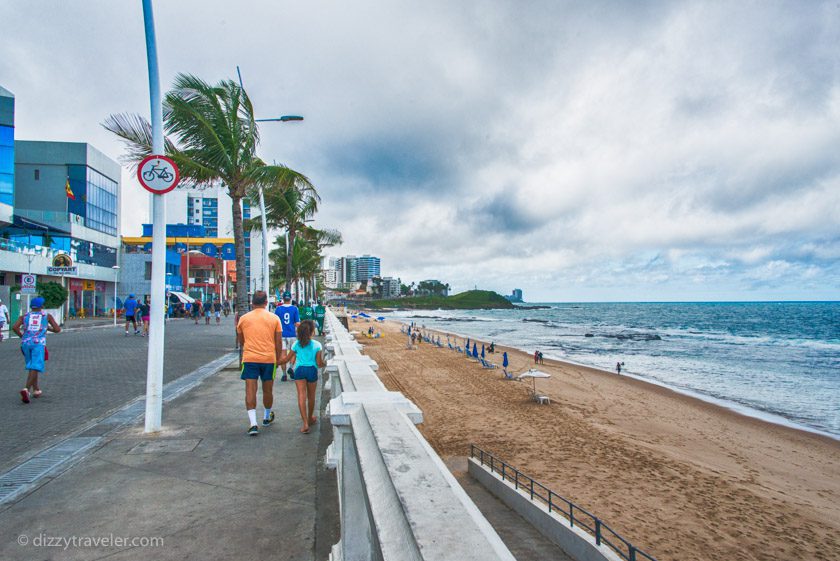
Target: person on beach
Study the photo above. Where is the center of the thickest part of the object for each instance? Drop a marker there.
(492, 347)
(4, 319)
(260, 336)
(290, 320)
(308, 355)
(536, 357)
(542, 360)
(130, 307)
(32, 329)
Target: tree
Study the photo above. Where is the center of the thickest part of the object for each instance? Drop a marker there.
(290, 201)
(212, 137)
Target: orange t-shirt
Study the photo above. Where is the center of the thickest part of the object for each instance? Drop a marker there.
(258, 328)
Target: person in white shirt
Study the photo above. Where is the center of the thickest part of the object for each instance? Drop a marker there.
(4, 319)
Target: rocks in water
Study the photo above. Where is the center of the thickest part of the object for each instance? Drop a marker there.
(589, 335)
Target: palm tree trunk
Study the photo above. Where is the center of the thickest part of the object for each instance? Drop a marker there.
(289, 257)
(239, 244)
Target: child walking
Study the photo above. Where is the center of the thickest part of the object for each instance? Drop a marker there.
(308, 356)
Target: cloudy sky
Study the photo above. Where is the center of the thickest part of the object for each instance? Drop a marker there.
(577, 150)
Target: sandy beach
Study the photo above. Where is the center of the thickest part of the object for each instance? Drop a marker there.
(681, 478)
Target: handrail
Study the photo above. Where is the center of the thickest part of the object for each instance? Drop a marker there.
(593, 525)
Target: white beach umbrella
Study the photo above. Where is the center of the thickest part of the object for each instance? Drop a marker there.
(533, 373)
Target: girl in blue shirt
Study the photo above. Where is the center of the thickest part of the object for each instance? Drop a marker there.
(308, 356)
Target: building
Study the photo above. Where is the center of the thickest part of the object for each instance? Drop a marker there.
(212, 208)
(352, 269)
(515, 296)
(196, 263)
(7, 156)
(390, 287)
(66, 201)
(367, 267)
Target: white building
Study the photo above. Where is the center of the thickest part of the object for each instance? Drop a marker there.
(212, 208)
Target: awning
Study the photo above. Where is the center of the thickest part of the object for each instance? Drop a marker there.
(184, 298)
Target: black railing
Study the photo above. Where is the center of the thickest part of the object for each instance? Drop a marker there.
(576, 515)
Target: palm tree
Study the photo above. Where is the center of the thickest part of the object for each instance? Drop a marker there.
(212, 137)
(290, 202)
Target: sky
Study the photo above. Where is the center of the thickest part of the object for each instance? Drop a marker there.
(580, 151)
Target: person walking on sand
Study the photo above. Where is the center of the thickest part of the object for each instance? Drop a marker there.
(536, 357)
(308, 355)
(32, 329)
(130, 307)
(260, 336)
(618, 368)
(290, 319)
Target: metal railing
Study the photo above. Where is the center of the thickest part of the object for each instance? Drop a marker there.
(576, 515)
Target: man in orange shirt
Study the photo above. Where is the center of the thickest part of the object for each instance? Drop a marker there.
(260, 336)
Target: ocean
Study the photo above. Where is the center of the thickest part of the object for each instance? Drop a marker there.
(775, 360)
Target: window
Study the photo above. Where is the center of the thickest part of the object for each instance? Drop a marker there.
(7, 165)
(37, 175)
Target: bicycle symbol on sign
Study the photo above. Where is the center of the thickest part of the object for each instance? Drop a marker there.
(161, 172)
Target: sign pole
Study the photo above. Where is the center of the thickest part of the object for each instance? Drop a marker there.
(154, 369)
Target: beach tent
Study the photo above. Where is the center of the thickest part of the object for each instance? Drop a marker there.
(505, 360)
(364, 315)
(475, 351)
(380, 318)
(533, 374)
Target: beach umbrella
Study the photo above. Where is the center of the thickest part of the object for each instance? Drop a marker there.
(482, 350)
(475, 351)
(533, 374)
(504, 360)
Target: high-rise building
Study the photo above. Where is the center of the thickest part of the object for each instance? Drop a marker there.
(212, 208)
(367, 267)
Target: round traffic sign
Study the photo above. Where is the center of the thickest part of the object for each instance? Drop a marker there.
(158, 174)
(28, 280)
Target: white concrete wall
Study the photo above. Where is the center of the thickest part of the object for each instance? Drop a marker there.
(398, 501)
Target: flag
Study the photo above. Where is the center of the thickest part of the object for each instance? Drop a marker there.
(69, 191)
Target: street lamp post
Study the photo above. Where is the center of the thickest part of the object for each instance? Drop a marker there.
(116, 269)
(154, 368)
(283, 119)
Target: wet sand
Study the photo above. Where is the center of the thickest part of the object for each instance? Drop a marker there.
(679, 477)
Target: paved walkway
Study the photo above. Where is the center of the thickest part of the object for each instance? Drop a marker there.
(202, 486)
(91, 372)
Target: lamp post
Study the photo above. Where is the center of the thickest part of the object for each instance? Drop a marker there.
(283, 119)
(116, 269)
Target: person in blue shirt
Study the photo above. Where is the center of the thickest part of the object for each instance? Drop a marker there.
(290, 320)
(130, 306)
(309, 356)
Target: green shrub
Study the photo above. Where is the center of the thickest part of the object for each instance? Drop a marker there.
(53, 293)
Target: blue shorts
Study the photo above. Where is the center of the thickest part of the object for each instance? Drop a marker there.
(33, 354)
(263, 370)
(308, 373)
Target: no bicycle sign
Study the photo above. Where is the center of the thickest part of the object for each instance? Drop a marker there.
(158, 174)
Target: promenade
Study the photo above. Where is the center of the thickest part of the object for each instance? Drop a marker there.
(201, 489)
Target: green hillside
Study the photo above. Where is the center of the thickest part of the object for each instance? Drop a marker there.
(469, 300)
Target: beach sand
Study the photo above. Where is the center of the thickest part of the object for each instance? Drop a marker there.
(678, 477)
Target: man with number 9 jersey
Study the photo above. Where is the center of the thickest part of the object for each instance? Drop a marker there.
(289, 319)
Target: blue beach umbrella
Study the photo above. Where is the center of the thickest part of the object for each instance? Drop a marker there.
(482, 350)
(504, 360)
(475, 351)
